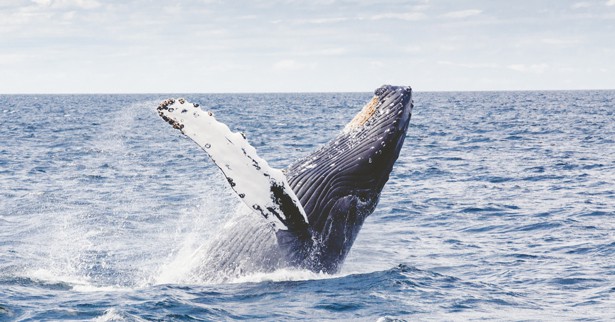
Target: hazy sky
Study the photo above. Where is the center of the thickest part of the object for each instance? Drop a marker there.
(148, 46)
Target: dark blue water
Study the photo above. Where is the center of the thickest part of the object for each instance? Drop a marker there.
(500, 207)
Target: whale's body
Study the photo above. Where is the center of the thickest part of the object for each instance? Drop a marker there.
(315, 208)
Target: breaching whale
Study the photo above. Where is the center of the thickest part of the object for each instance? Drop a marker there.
(314, 209)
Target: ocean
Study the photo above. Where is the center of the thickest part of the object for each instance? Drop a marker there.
(500, 207)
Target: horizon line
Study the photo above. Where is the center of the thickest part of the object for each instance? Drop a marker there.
(303, 92)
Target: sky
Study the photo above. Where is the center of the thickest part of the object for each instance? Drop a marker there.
(209, 46)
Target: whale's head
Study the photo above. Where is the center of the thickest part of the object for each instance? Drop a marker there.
(339, 185)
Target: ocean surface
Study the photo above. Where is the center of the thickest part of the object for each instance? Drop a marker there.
(501, 207)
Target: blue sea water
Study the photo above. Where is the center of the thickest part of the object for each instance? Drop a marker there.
(500, 207)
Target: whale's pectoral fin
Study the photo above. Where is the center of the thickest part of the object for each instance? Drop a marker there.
(261, 187)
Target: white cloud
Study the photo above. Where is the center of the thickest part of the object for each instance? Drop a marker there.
(322, 21)
(174, 9)
(409, 16)
(68, 16)
(13, 21)
(9, 59)
(533, 68)
(462, 13)
(580, 5)
(292, 65)
(447, 47)
(376, 63)
(82, 4)
(610, 3)
(560, 41)
(468, 65)
(328, 52)
(412, 49)
(42, 2)
(333, 51)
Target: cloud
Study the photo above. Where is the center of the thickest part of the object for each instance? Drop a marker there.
(292, 65)
(413, 49)
(448, 47)
(36, 17)
(409, 16)
(533, 68)
(462, 13)
(327, 52)
(173, 9)
(560, 41)
(376, 64)
(580, 5)
(81, 4)
(322, 21)
(610, 3)
(466, 65)
(10, 59)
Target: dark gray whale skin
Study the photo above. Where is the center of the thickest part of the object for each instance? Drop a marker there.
(338, 185)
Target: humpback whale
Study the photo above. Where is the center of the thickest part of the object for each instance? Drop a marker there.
(311, 212)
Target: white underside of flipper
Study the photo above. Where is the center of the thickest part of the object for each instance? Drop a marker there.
(261, 187)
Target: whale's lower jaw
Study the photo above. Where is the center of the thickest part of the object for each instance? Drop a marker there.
(314, 210)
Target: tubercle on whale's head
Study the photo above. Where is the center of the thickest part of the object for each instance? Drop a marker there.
(387, 100)
(362, 117)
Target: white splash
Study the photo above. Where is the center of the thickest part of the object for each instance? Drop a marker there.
(282, 275)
